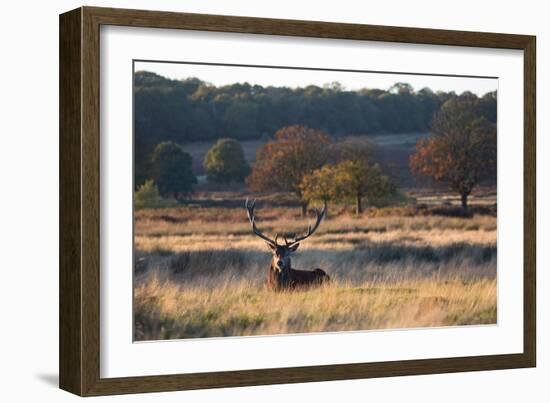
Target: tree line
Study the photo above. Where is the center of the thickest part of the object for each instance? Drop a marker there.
(188, 110)
(307, 162)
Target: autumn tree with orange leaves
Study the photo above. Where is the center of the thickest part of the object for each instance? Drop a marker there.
(462, 150)
(282, 163)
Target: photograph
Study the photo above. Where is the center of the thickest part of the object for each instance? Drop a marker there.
(283, 200)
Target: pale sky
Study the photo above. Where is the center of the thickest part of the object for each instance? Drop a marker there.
(280, 77)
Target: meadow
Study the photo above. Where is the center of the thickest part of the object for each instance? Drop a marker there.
(200, 272)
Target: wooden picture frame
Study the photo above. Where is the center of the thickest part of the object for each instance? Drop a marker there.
(79, 201)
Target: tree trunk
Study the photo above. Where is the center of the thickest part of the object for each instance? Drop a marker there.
(326, 209)
(304, 209)
(358, 205)
(464, 201)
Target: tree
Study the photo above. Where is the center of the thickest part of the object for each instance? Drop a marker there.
(401, 88)
(462, 151)
(225, 162)
(486, 106)
(360, 180)
(148, 196)
(172, 169)
(282, 163)
(321, 185)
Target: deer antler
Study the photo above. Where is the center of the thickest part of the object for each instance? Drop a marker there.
(310, 230)
(252, 219)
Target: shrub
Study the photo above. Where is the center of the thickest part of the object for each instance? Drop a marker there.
(148, 196)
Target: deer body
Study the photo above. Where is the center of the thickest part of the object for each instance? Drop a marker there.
(281, 276)
(293, 279)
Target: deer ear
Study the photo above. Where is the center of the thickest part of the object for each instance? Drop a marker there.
(294, 247)
(271, 246)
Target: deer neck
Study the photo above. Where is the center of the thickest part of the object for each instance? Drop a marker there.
(281, 275)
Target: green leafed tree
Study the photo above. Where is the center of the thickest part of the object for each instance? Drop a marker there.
(172, 170)
(321, 185)
(363, 181)
(225, 162)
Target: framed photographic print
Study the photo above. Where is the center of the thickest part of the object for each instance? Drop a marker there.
(249, 201)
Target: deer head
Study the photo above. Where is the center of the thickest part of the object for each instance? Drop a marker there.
(281, 251)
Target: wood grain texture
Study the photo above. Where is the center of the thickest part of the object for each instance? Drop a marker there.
(70, 275)
(90, 201)
(530, 203)
(316, 29)
(305, 374)
(80, 196)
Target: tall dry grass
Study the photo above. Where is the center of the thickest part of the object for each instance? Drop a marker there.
(166, 309)
(200, 273)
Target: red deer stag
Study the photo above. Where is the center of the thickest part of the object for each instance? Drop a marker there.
(281, 276)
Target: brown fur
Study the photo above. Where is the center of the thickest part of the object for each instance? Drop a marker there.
(281, 276)
(292, 279)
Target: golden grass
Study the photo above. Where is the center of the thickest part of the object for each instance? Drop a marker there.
(200, 273)
(348, 241)
(187, 221)
(166, 309)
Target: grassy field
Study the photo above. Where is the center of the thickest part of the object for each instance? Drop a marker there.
(201, 273)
